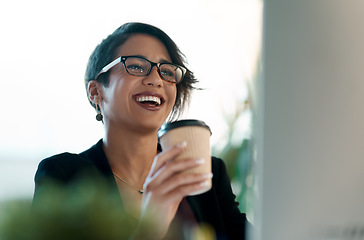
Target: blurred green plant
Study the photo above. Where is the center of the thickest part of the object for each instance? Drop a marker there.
(86, 210)
(237, 155)
(238, 152)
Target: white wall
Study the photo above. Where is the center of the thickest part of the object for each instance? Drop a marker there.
(310, 128)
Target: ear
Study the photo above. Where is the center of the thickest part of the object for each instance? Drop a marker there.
(94, 92)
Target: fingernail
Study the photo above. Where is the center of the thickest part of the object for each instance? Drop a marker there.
(182, 144)
(200, 161)
(205, 183)
(207, 175)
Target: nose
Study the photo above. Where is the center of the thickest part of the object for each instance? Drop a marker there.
(153, 78)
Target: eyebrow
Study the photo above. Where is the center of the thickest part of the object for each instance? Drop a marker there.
(162, 60)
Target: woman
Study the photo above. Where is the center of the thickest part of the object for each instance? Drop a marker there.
(135, 79)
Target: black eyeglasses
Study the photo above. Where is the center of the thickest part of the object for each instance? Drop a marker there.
(139, 66)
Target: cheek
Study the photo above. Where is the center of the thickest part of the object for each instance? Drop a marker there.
(172, 95)
(116, 91)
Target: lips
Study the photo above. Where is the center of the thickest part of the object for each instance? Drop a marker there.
(149, 100)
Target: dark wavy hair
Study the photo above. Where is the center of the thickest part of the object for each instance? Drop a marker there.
(106, 52)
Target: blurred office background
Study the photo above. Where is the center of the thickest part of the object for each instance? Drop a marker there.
(309, 121)
(45, 46)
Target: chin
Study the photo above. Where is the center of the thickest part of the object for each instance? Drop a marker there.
(150, 125)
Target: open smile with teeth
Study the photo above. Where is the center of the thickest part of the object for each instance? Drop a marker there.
(149, 100)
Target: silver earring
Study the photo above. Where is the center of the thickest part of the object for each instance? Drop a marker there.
(99, 116)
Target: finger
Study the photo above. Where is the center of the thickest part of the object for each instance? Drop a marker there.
(166, 156)
(182, 182)
(168, 170)
(177, 193)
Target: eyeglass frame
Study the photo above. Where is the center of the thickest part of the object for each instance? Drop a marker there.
(122, 60)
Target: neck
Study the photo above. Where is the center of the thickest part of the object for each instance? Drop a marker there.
(130, 153)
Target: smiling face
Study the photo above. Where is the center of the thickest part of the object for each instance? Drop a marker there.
(139, 103)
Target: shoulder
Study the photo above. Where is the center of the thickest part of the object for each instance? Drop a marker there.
(221, 182)
(61, 166)
(67, 166)
(219, 169)
(62, 160)
(217, 163)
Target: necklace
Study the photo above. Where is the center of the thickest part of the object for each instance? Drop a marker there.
(139, 190)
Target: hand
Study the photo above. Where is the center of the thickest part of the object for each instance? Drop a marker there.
(165, 186)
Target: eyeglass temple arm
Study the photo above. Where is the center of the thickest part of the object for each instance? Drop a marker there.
(107, 67)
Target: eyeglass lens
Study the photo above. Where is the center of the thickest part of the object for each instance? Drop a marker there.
(141, 67)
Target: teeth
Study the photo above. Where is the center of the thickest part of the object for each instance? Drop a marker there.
(149, 99)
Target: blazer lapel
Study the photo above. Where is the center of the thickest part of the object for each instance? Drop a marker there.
(97, 156)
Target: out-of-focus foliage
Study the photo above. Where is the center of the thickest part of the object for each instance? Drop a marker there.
(86, 210)
(83, 211)
(238, 151)
(238, 158)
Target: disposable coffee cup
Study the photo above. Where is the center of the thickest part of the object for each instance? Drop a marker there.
(197, 135)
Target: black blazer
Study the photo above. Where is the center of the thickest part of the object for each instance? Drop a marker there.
(216, 207)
